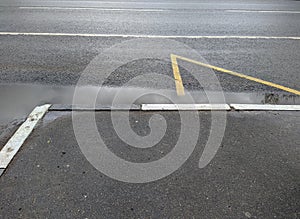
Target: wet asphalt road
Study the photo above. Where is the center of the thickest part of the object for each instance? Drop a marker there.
(254, 174)
(175, 21)
(59, 60)
(51, 60)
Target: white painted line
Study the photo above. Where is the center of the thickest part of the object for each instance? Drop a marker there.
(253, 11)
(147, 10)
(265, 107)
(96, 9)
(206, 107)
(148, 36)
(15, 142)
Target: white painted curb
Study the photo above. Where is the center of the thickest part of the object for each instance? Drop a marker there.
(222, 107)
(265, 107)
(15, 142)
(151, 107)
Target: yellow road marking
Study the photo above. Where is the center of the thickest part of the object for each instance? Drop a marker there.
(175, 57)
(178, 80)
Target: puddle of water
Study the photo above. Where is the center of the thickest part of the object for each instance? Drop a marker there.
(52, 116)
(17, 101)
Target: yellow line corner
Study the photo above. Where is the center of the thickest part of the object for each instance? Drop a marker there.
(178, 80)
(257, 80)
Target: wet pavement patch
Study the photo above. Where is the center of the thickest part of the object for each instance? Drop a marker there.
(28, 96)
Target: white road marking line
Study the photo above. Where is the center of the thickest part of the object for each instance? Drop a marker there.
(15, 142)
(156, 107)
(94, 8)
(149, 10)
(148, 36)
(265, 107)
(253, 11)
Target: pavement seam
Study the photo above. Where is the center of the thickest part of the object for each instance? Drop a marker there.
(184, 107)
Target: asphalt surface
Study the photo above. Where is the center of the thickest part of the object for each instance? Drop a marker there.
(60, 60)
(69, 55)
(181, 22)
(255, 173)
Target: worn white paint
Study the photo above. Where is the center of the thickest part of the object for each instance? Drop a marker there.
(15, 142)
(151, 107)
(148, 36)
(264, 107)
(93, 8)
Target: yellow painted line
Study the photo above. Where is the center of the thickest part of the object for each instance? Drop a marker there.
(175, 57)
(178, 80)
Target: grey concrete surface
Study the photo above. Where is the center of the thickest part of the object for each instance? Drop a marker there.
(255, 173)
